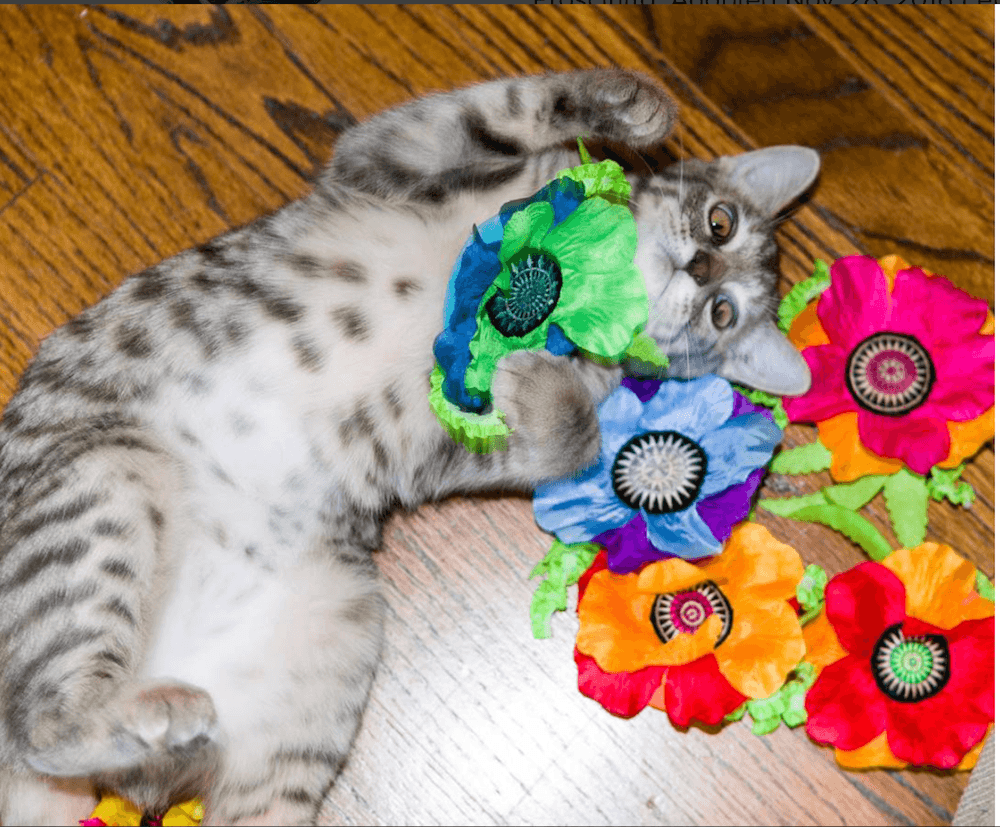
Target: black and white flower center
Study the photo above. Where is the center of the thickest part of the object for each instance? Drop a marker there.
(535, 283)
(889, 373)
(659, 471)
(910, 669)
(682, 613)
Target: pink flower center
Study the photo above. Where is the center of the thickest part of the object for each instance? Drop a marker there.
(682, 613)
(688, 611)
(889, 374)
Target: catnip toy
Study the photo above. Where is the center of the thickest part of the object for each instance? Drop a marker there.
(554, 271)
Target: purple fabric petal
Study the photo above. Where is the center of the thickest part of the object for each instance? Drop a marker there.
(628, 547)
(722, 511)
(742, 405)
(645, 389)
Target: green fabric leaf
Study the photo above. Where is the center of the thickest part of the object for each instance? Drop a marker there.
(787, 704)
(851, 524)
(766, 400)
(810, 591)
(801, 294)
(562, 566)
(479, 433)
(644, 358)
(604, 179)
(584, 155)
(945, 483)
(802, 459)
(984, 586)
(815, 508)
(738, 713)
(906, 501)
(855, 494)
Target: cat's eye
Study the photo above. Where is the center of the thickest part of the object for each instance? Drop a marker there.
(722, 222)
(723, 312)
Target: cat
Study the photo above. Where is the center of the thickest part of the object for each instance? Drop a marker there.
(194, 471)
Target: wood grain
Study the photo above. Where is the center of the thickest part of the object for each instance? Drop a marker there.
(129, 133)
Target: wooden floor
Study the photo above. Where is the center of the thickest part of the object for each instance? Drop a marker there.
(130, 133)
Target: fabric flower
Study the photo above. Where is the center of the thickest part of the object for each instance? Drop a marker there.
(906, 654)
(709, 636)
(679, 464)
(902, 369)
(554, 271)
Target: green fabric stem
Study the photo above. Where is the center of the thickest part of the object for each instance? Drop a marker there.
(803, 293)
(906, 499)
(562, 567)
(946, 483)
(787, 704)
(802, 459)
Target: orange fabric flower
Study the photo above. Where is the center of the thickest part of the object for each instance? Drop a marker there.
(735, 607)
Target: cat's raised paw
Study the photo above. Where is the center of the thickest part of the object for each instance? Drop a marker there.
(620, 106)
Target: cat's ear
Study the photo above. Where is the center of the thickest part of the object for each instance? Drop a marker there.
(763, 358)
(773, 177)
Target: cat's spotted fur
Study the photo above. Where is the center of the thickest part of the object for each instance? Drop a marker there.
(194, 472)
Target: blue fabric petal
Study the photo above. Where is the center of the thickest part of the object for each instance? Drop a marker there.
(683, 533)
(736, 449)
(578, 509)
(564, 194)
(476, 269)
(619, 417)
(692, 408)
(557, 342)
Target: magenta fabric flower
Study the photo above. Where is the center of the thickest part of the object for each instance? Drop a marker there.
(906, 354)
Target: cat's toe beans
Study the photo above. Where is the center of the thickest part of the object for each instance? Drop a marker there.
(643, 110)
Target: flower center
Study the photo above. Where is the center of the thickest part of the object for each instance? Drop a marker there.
(684, 612)
(910, 669)
(535, 282)
(890, 373)
(660, 471)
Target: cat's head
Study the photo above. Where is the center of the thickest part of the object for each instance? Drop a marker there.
(707, 252)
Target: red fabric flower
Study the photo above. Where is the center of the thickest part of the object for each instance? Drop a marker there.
(928, 689)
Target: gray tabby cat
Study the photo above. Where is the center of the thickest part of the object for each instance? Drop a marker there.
(194, 472)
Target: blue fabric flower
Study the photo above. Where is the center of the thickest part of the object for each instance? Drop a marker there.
(660, 458)
(477, 268)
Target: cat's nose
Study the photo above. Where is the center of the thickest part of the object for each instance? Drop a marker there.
(704, 267)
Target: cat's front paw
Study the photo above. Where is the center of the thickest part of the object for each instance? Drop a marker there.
(617, 105)
(550, 411)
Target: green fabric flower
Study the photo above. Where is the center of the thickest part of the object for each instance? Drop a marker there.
(578, 274)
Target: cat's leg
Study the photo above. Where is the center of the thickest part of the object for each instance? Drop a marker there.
(480, 137)
(85, 550)
(288, 718)
(26, 798)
